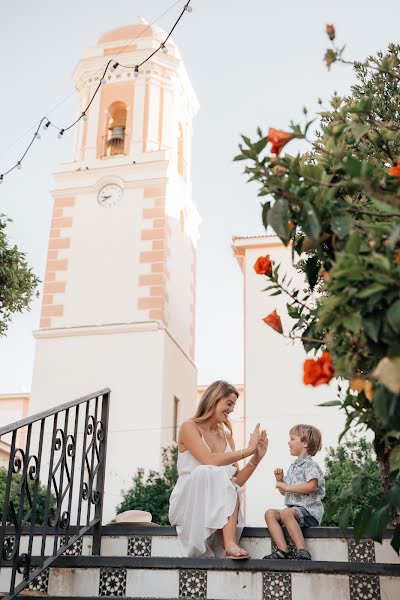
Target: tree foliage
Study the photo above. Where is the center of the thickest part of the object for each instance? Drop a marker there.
(152, 492)
(15, 485)
(18, 284)
(338, 205)
(343, 465)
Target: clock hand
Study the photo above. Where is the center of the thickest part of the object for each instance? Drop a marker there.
(106, 197)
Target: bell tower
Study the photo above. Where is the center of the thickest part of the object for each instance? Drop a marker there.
(118, 306)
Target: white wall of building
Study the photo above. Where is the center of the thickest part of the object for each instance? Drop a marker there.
(275, 394)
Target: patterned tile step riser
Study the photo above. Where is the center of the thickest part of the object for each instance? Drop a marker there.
(207, 584)
(336, 549)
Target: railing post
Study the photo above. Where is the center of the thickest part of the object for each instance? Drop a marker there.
(101, 474)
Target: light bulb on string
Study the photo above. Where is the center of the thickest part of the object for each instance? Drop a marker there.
(46, 125)
(60, 134)
(84, 116)
(37, 136)
(1, 178)
(164, 48)
(103, 81)
(19, 166)
(188, 8)
(115, 66)
(136, 71)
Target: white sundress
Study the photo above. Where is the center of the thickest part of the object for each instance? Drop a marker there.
(201, 502)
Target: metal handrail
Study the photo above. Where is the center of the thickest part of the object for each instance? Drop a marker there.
(49, 412)
(72, 465)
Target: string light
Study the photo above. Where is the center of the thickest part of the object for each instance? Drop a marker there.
(113, 65)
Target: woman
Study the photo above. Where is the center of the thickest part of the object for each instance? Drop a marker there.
(207, 495)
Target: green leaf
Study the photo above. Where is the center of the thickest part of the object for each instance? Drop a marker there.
(370, 290)
(396, 539)
(395, 460)
(361, 523)
(240, 157)
(310, 221)
(359, 131)
(353, 323)
(312, 269)
(354, 243)
(394, 493)
(393, 316)
(342, 225)
(278, 219)
(353, 166)
(265, 210)
(246, 140)
(293, 312)
(260, 145)
(372, 326)
(378, 522)
(344, 519)
(331, 403)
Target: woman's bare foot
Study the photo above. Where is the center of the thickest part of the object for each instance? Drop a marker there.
(235, 552)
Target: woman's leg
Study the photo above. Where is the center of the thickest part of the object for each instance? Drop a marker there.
(229, 534)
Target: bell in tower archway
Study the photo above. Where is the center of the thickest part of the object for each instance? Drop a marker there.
(115, 139)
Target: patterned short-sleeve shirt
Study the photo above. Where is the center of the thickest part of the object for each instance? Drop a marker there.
(300, 471)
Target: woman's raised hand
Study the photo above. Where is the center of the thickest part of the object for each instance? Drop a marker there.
(262, 447)
(254, 438)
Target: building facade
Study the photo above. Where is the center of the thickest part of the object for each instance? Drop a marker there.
(274, 393)
(118, 307)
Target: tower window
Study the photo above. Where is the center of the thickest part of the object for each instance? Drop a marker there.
(181, 159)
(175, 420)
(114, 140)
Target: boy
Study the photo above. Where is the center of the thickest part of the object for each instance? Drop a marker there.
(303, 488)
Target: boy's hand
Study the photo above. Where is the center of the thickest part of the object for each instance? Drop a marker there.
(282, 486)
(278, 474)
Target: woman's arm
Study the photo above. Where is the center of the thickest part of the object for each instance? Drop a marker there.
(190, 438)
(259, 454)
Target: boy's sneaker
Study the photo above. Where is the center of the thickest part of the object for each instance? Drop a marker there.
(277, 555)
(301, 555)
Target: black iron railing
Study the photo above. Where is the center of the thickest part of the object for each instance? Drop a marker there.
(54, 484)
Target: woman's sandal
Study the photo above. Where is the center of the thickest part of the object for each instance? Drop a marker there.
(229, 554)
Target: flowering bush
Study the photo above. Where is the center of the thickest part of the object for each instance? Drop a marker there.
(338, 206)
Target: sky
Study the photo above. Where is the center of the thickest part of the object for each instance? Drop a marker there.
(252, 63)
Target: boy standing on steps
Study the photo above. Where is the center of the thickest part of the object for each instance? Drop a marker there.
(303, 488)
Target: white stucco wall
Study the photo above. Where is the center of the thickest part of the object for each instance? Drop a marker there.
(274, 391)
(144, 370)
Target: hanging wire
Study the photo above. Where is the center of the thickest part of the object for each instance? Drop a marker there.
(83, 115)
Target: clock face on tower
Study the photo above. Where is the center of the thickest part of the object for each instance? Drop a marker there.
(110, 195)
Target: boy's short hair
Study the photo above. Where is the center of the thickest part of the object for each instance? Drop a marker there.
(309, 434)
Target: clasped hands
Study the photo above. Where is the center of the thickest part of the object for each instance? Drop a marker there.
(258, 444)
(280, 484)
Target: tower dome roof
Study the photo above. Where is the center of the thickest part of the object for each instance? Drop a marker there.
(130, 32)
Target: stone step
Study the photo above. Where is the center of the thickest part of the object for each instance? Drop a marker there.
(323, 543)
(215, 578)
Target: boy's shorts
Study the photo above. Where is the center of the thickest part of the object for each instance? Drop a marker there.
(305, 519)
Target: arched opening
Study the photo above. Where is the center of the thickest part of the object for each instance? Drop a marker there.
(181, 160)
(116, 126)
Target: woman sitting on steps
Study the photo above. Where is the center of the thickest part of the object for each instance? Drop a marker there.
(207, 495)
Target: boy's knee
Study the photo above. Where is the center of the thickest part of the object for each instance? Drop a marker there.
(287, 515)
(270, 514)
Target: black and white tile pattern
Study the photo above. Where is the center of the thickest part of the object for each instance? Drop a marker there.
(363, 552)
(193, 584)
(40, 583)
(277, 585)
(139, 546)
(364, 587)
(112, 582)
(75, 549)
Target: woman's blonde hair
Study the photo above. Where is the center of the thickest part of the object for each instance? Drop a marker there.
(208, 402)
(309, 434)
